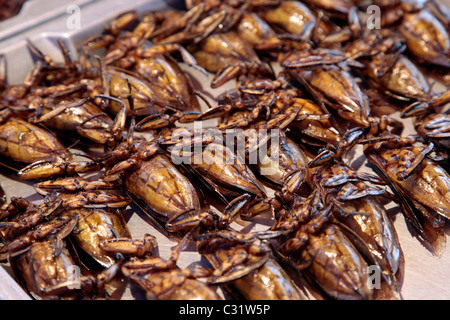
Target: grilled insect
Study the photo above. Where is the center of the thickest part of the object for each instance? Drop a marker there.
(386, 61)
(228, 56)
(357, 205)
(156, 78)
(426, 37)
(421, 184)
(312, 244)
(298, 22)
(43, 265)
(319, 72)
(21, 216)
(246, 267)
(161, 279)
(24, 142)
(312, 125)
(14, 244)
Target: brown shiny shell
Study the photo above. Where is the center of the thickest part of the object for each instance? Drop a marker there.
(292, 16)
(24, 142)
(222, 49)
(222, 167)
(163, 188)
(426, 37)
(43, 266)
(337, 266)
(269, 282)
(97, 225)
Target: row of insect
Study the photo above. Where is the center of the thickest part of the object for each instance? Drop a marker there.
(329, 227)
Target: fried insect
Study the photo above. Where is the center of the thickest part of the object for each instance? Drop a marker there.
(421, 183)
(63, 104)
(328, 222)
(35, 241)
(292, 16)
(298, 22)
(318, 72)
(266, 148)
(81, 116)
(246, 266)
(312, 125)
(312, 244)
(150, 176)
(207, 153)
(156, 78)
(94, 226)
(42, 266)
(60, 227)
(356, 199)
(228, 56)
(20, 218)
(162, 279)
(27, 143)
(156, 89)
(131, 248)
(166, 193)
(24, 142)
(426, 37)
(386, 62)
(48, 270)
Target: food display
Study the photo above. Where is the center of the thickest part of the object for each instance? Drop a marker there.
(240, 149)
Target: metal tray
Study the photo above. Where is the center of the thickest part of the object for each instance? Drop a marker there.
(43, 22)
